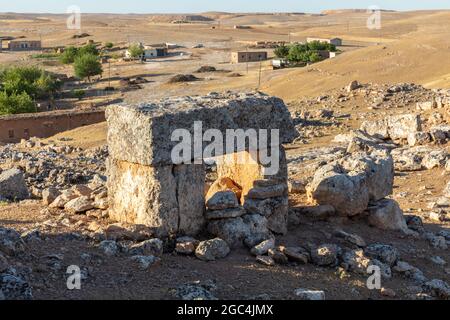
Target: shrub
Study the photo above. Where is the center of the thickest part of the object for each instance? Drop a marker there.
(282, 51)
(135, 51)
(16, 103)
(78, 93)
(109, 45)
(69, 55)
(86, 66)
(88, 49)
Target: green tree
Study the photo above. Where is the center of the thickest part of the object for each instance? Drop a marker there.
(88, 49)
(32, 80)
(282, 51)
(69, 55)
(135, 51)
(314, 57)
(16, 103)
(87, 66)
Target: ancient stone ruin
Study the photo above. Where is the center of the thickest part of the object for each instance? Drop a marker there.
(145, 185)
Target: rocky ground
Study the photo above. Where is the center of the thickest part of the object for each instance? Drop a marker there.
(367, 186)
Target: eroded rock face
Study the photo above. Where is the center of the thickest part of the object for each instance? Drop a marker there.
(387, 215)
(396, 127)
(146, 186)
(168, 198)
(348, 184)
(152, 124)
(12, 185)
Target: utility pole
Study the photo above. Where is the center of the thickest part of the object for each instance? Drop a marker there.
(259, 77)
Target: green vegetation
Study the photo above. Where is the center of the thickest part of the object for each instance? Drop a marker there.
(87, 66)
(16, 103)
(135, 51)
(69, 55)
(304, 53)
(45, 56)
(19, 86)
(78, 93)
(109, 45)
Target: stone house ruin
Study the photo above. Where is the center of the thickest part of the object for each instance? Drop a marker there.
(13, 128)
(248, 56)
(24, 45)
(146, 187)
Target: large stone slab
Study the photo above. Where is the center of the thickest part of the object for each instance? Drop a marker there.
(142, 133)
(169, 199)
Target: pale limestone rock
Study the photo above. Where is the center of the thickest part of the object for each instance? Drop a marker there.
(222, 200)
(387, 215)
(211, 250)
(79, 205)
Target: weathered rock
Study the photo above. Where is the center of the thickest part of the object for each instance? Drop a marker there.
(435, 159)
(10, 242)
(263, 247)
(186, 245)
(49, 195)
(352, 238)
(325, 255)
(385, 253)
(297, 254)
(225, 213)
(353, 86)
(296, 187)
(12, 185)
(233, 230)
(144, 262)
(211, 250)
(63, 199)
(194, 291)
(79, 205)
(224, 184)
(151, 247)
(277, 255)
(222, 200)
(13, 287)
(438, 288)
(418, 138)
(332, 185)
(169, 199)
(355, 261)
(142, 134)
(305, 294)
(396, 127)
(109, 247)
(387, 215)
(267, 192)
(265, 260)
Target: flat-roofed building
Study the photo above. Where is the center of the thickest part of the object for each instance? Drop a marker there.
(335, 41)
(248, 56)
(24, 45)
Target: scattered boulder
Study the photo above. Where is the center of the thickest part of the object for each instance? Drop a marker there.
(109, 247)
(211, 250)
(263, 247)
(438, 288)
(79, 205)
(305, 294)
(49, 195)
(382, 252)
(325, 255)
(13, 287)
(12, 185)
(151, 247)
(222, 200)
(387, 215)
(195, 291)
(144, 262)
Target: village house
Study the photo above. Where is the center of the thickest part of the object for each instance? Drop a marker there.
(248, 56)
(150, 52)
(335, 41)
(24, 45)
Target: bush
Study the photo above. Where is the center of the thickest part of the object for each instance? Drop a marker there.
(109, 45)
(282, 51)
(88, 49)
(31, 80)
(69, 55)
(78, 93)
(16, 103)
(135, 51)
(86, 66)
